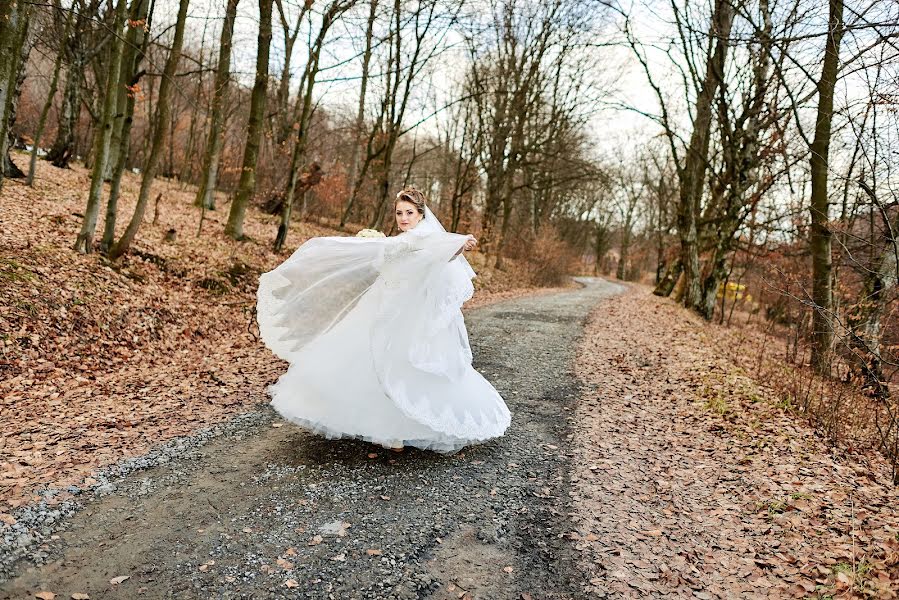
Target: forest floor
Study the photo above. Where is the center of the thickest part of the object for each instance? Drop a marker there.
(694, 478)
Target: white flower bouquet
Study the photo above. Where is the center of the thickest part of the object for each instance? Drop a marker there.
(370, 233)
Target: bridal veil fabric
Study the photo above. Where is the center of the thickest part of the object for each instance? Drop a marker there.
(377, 345)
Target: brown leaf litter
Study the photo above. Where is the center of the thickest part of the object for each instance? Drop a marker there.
(690, 480)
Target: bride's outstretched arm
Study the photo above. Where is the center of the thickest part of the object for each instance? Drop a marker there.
(469, 244)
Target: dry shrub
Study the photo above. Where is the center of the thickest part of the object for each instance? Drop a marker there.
(839, 409)
(551, 259)
(843, 407)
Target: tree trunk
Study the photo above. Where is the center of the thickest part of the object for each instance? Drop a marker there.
(84, 243)
(247, 186)
(13, 52)
(284, 115)
(692, 175)
(669, 279)
(360, 111)
(10, 169)
(383, 187)
(504, 229)
(48, 103)
(186, 167)
(299, 149)
(601, 243)
(820, 235)
(135, 47)
(9, 54)
(392, 119)
(163, 107)
(621, 271)
(864, 322)
(63, 147)
(209, 174)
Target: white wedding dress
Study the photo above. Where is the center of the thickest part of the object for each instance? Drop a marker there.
(377, 345)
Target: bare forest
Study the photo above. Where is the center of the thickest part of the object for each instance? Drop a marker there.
(738, 159)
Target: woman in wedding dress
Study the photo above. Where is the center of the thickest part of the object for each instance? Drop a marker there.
(373, 330)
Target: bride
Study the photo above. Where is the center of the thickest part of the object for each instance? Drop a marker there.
(372, 328)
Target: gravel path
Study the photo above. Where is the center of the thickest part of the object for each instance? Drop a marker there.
(261, 509)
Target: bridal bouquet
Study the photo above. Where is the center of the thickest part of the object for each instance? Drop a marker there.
(370, 233)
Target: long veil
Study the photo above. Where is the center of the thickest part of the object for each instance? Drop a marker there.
(324, 279)
(432, 223)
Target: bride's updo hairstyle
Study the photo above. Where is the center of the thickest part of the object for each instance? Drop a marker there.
(410, 194)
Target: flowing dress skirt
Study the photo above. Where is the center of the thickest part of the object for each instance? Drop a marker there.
(387, 374)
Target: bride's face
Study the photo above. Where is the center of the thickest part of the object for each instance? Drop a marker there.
(407, 215)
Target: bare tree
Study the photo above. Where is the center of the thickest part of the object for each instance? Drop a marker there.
(211, 158)
(285, 117)
(51, 93)
(14, 51)
(742, 153)
(84, 243)
(819, 233)
(77, 57)
(247, 186)
(404, 66)
(331, 13)
(129, 77)
(160, 133)
(359, 123)
(632, 187)
(524, 77)
(693, 168)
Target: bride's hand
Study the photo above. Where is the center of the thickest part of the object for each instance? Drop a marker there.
(471, 243)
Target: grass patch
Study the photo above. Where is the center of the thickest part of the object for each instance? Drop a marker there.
(15, 272)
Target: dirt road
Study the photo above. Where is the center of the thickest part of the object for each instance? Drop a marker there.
(265, 510)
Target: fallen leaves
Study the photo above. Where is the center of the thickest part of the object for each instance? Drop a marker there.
(689, 477)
